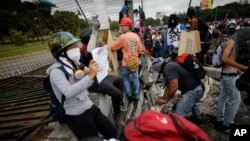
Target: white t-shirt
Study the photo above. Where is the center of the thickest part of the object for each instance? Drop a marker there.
(136, 18)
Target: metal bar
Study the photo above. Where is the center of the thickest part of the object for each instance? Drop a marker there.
(11, 133)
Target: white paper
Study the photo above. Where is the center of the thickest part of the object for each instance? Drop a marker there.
(101, 11)
(100, 55)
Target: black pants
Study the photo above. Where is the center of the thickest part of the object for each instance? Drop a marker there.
(90, 123)
(204, 49)
(113, 86)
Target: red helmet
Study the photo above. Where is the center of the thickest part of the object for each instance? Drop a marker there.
(126, 22)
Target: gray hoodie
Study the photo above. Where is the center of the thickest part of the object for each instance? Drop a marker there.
(75, 91)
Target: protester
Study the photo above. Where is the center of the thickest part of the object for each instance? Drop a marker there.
(205, 37)
(176, 78)
(111, 85)
(172, 35)
(229, 98)
(125, 13)
(82, 116)
(137, 21)
(148, 41)
(131, 47)
(157, 44)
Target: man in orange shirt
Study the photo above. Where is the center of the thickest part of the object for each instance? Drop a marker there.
(131, 47)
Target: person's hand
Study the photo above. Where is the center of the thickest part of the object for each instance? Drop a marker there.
(95, 25)
(93, 69)
(161, 101)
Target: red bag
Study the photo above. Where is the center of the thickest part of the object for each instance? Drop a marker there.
(192, 64)
(156, 126)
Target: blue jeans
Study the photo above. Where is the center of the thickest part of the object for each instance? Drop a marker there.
(125, 72)
(229, 95)
(189, 101)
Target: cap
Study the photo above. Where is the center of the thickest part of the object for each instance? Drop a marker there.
(126, 22)
(157, 62)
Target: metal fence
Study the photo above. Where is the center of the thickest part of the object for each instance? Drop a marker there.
(18, 63)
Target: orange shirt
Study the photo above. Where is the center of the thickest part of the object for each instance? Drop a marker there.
(130, 44)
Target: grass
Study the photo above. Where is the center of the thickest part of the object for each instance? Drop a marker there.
(11, 50)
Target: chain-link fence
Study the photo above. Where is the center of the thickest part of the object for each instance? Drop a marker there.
(27, 24)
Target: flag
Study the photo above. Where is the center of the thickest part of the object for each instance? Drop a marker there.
(206, 4)
(225, 19)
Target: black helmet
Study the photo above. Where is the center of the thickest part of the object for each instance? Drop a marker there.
(191, 11)
(59, 41)
(85, 35)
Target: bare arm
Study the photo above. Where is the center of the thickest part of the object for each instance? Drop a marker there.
(169, 92)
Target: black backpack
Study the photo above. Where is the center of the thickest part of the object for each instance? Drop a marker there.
(157, 44)
(192, 64)
(57, 111)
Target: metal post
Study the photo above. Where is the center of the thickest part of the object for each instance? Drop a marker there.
(215, 19)
(82, 12)
(142, 4)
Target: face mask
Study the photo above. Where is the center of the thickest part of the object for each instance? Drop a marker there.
(74, 54)
(187, 25)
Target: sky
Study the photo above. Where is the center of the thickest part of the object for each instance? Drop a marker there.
(171, 6)
(151, 7)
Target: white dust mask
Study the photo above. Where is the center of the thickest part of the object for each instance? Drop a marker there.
(74, 54)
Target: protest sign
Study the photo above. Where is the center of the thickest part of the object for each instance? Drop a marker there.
(101, 11)
(100, 55)
(189, 42)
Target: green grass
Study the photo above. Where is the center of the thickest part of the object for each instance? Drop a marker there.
(10, 50)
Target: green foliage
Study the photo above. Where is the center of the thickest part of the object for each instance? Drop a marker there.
(17, 38)
(233, 10)
(114, 25)
(152, 22)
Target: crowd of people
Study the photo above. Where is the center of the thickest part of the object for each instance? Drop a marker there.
(86, 120)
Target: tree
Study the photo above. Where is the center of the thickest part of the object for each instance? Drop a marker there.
(150, 21)
(114, 25)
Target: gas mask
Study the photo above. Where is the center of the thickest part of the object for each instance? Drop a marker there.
(80, 71)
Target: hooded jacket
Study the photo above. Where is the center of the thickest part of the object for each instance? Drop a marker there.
(75, 91)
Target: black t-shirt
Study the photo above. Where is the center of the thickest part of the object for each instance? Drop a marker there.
(148, 42)
(173, 70)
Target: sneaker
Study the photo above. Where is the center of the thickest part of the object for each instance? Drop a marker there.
(225, 129)
(218, 123)
(195, 120)
(130, 98)
(118, 118)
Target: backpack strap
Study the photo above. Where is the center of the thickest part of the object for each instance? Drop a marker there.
(67, 76)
